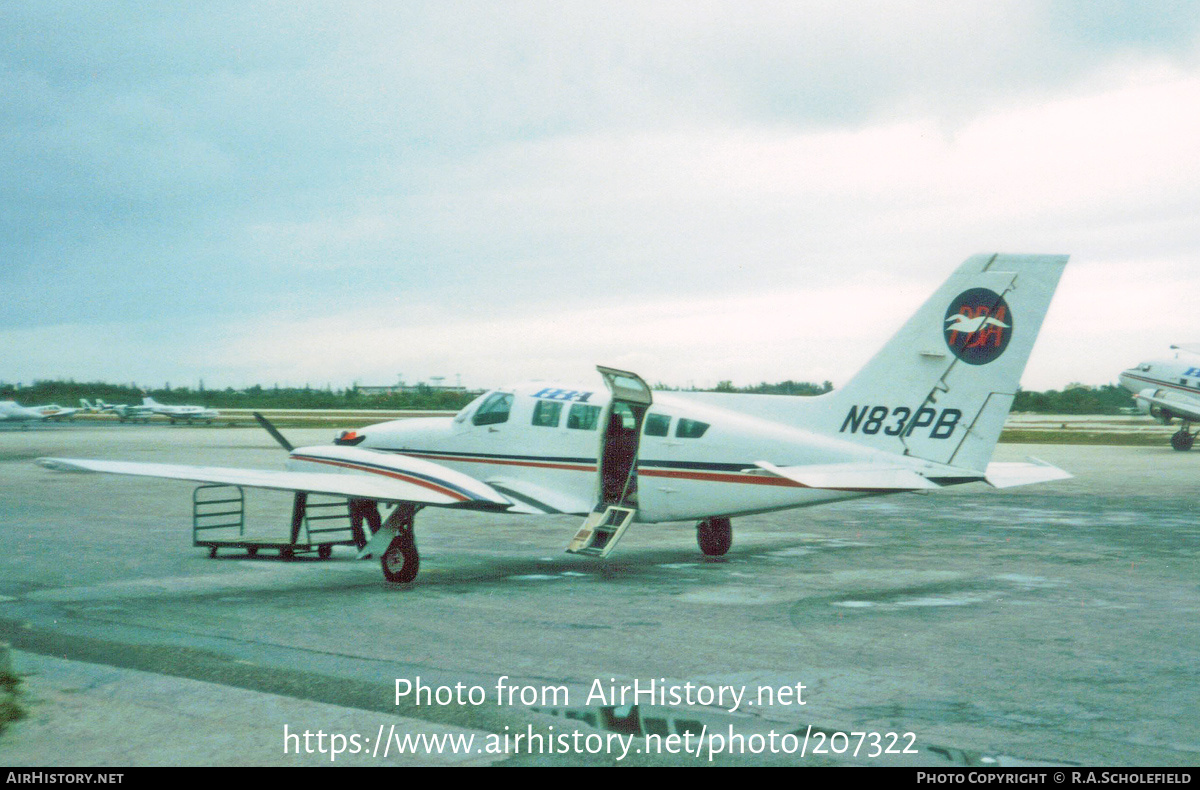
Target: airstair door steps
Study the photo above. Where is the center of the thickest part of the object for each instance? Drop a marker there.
(601, 530)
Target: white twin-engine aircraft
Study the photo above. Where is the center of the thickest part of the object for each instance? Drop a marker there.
(1169, 388)
(175, 413)
(924, 413)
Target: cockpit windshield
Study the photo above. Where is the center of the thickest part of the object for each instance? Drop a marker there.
(494, 409)
(469, 409)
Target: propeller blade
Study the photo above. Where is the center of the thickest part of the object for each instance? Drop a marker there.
(269, 428)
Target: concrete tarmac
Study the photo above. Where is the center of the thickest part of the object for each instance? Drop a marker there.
(1051, 624)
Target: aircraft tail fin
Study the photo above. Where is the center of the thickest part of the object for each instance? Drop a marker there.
(942, 387)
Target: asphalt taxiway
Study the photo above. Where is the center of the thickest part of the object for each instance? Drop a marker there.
(1054, 624)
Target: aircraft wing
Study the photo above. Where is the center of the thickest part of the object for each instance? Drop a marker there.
(393, 478)
(538, 500)
(1188, 409)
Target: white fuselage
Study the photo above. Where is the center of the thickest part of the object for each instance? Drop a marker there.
(180, 412)
(55, 412)
(1162, 381)
(704, 465)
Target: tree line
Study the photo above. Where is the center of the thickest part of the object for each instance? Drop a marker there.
(1074, 399)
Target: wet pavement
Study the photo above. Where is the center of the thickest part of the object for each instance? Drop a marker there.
(1054, 624)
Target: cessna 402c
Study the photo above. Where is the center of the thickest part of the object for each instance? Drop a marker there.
(925, 412)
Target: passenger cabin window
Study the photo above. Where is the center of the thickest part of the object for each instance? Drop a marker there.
(690, 429)
(657, 425)
(494, 410)
(546, 413)
(583, 417)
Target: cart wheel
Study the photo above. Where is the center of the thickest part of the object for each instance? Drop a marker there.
(287, 553)
(212, 552)
(325, 551)
(252, 551)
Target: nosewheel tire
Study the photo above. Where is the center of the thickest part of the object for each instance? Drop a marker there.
(400, 562)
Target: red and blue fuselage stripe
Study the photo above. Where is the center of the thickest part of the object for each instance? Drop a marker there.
(1165, 384)
(687, 470)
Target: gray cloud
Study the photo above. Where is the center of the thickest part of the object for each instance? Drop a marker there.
(198, 165)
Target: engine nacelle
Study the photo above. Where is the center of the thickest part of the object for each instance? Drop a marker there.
(1156, 411)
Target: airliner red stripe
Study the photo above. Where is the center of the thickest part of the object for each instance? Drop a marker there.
(397, 475)
(1165, 384)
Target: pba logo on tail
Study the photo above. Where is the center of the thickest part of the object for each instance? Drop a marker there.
(978, 326)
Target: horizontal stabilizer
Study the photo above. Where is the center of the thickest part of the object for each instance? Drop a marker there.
(359, 486)
(852, 476)
(1007, 474)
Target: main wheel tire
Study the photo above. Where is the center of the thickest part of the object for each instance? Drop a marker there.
(1182, 441)
(400, 562)
(715, 536)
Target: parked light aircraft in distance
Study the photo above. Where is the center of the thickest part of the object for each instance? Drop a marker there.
(1169, 388)
(55, 412)
(125, 413)
(11, 411)
(177, 413)
(925, 412)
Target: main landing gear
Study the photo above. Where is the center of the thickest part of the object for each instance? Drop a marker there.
(1183, 438)
(400, 561)
(715, 536)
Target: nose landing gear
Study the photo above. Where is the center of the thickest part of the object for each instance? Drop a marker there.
(400, 561)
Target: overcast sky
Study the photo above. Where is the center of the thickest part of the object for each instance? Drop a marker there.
(329, 193)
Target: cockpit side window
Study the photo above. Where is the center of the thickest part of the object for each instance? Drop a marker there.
(690, 429)
(494, 410)
(546, 413)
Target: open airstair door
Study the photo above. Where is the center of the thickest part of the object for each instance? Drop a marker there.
(621, 431)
